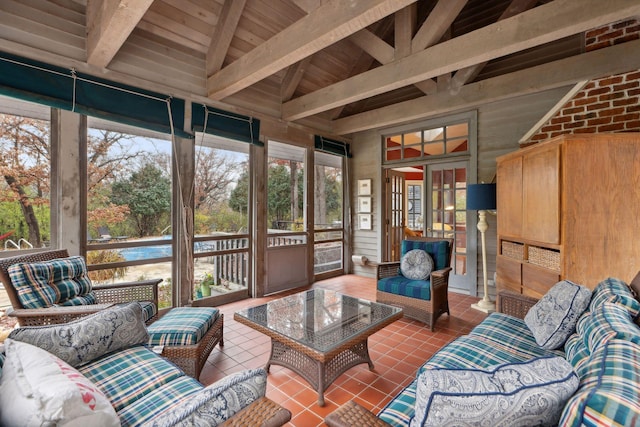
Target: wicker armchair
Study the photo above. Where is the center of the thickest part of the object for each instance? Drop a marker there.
(423, 310)
(106, 295)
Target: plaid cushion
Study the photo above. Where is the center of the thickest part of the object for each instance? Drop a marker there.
(608, 394)
(400, 410)
(606, 322)
(148, 310)
(614, 290)
(130, 374)
(87, 299)
(43, 284)
(182, 326)
(151, 405)
(400, 285)
(439, 251)
(576, 351)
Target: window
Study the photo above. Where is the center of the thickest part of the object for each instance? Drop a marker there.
(25, 193)
(129, 206)
(328, 203)
(285, 188)
(426, 143)
(414, 205)
(221, 217)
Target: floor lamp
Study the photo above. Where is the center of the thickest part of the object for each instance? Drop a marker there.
(482, 198)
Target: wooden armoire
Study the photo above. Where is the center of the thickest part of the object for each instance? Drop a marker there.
(568, 208)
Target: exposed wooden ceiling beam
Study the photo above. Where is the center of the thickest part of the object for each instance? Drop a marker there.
(405, 24)
(436, 24)
(307, 5)
(109, 24)
(292, 78)
(563, 72)
(223, 34)
(470, 73)
(327, 24)
(380, 50)
(552, 21)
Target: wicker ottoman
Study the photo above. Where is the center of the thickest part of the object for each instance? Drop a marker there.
(186, 336)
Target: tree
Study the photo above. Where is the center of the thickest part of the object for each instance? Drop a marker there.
(215, 172)
(25, 167)
(148, 194)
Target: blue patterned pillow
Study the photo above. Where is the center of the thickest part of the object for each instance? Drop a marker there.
(216, 403)
(85, 339)
(513, 394)
(416, 265)
(552, 319)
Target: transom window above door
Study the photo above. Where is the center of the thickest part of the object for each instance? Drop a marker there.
(424, 143)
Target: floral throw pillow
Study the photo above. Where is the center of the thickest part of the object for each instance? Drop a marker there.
(510, 395)
(416, 264)
(553, 319)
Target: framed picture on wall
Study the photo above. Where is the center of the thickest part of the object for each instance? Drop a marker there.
(364, 204)
(364, 221)
(364, 187)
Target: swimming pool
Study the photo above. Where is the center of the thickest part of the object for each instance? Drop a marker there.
(156, 251)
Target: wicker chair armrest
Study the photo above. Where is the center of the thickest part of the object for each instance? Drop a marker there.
(145, 290)
(440, 278)
(54, 315)
(516, 305)
(262, 412)
(387, 269)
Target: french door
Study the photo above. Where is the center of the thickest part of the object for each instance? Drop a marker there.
(446, 216)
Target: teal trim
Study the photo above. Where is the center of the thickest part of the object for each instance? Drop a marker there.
(226, 124)
(46, 84)
(332, 146)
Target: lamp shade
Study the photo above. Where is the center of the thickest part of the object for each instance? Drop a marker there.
(481, 197)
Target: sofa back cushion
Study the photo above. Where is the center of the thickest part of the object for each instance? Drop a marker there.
(514, 394)
(85, 339)
(61, 281)
(615, 290)
(438, 250)
(607, 321)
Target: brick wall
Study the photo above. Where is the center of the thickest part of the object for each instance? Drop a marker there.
(607, 104)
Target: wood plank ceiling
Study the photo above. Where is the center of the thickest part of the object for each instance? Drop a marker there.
(330, 64)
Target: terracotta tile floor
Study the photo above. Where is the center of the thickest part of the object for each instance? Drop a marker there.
(397, 352)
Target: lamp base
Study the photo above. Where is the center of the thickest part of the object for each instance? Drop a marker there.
(484, 306)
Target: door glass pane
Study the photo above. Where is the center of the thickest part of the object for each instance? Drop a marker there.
(285, 188)
(328, 202)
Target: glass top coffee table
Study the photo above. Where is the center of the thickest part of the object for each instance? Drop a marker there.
(319, 334)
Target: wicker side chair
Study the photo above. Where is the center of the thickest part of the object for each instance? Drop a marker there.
(106, 295)
(423, 310)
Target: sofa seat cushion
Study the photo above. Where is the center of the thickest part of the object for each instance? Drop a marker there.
(608, 393)
(182, 326)
(400, 285)
(614, 290)
(154, 403)
(216, 403)
(513, 394)
(43, 284)
(130, 374)
(497, 340)
(553, 319)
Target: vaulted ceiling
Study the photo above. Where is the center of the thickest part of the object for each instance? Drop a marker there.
(338, 65)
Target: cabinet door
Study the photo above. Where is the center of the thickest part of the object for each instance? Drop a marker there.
(509, 197)
(541, 194)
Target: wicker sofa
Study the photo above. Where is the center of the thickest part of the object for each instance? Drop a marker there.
(603, 351)
(120, 380)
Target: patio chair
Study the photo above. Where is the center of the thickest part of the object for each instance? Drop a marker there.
(423, 299)
(50, 287)
(105, 234)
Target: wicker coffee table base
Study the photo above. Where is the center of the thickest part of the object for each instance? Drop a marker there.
(318, 373)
